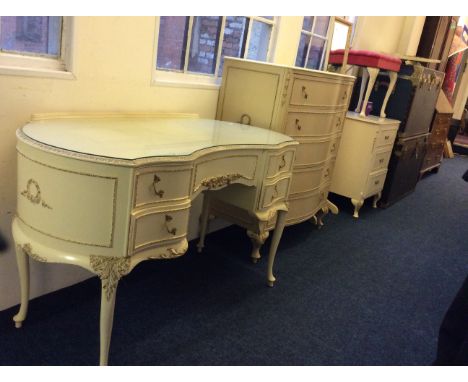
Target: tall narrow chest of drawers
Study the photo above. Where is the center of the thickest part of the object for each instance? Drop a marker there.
(361, 164)
(309, 106)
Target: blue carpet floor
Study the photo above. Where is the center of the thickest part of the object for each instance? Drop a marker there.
(371, 291)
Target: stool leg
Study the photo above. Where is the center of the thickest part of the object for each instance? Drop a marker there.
(365, 78)
(373, 73)
(391, 85)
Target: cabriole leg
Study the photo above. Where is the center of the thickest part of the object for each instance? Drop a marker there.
(357, 203)
(391, 85)
(110, 270)
(23, 270)
(106, 321)
(204, 221)
(280, 221)
(373, 72)
(257, 241)
(376, 199)
(364, 79)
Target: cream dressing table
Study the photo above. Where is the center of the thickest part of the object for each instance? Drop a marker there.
(106, 191)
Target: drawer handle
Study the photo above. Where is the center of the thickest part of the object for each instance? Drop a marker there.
(304, 92)
(381, 160)
(275, 193)
(333, 148)
(282, 164)
(243, 116)
(338, 123)
(344, 95)
(297, 124)
(172, 231)
(157, 179)
(377, 182)
(327, 172)
(387, 137)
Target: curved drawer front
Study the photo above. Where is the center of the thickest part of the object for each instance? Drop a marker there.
(303, 206)
(304, 180)
(73, 206)
(218, 172)
(153, 227)
(158, 184)
(314, 152)
(275, 192)
(313, 124)
(280, 163)
(318, 92)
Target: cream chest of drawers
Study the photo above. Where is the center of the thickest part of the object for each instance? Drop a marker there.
(305, 104)
(361, 163)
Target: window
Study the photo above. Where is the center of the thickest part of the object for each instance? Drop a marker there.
(195, 46)
(34, 45)
(313, 43)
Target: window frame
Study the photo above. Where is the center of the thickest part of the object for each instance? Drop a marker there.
(186, 78)
(311, 34)
(40, 65)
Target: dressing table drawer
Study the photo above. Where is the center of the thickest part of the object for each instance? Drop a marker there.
(274, 192)
(154, 227)
(158, 184)
(278, 164)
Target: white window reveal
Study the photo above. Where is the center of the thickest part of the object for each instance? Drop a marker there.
(191, 49)
(35, 46)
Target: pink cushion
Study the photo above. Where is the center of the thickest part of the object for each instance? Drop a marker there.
(366, 58)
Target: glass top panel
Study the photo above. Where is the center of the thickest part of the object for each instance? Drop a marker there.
(133, 138)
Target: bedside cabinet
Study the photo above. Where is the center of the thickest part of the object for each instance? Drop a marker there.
(362, 160)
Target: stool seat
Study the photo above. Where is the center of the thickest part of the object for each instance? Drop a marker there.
(366, 58)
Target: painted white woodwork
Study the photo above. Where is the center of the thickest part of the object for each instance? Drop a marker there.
(106, 192)
(361, 163)
(308, 105)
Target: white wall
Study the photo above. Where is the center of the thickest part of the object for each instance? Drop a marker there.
(113, 63)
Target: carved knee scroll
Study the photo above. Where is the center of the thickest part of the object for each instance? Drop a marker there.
(110, 270)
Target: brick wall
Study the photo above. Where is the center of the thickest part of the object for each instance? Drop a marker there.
(204, 41)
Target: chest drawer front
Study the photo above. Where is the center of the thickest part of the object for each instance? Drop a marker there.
(305, 180)
(218, 172)
(385, 138)
(380, 160)
(318, 92)
(313, 124)
(375, 182)
(315, 152)
(152, 228)
(280, 163)
(305, 205)
(275, 192)
(158, 184)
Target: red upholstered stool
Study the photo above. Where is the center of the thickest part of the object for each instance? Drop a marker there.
(372, 62)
